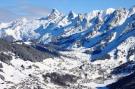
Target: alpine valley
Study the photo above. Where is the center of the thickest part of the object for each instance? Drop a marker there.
(94, 50)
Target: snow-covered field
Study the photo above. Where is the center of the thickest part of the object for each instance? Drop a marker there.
(20, 74)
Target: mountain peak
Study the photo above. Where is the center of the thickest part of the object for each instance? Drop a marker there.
(54, 14)
(132, 10)
(24, 19)
(55, 11)
(71, 15)
(109, 10)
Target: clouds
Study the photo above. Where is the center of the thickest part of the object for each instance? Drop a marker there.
(6, 15)
(21, 9)
(28, 8)
(35, 11)
(30, 12)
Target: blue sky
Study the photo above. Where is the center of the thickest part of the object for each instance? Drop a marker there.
(11, 9)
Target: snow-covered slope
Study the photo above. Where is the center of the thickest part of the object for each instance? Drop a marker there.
(74, 51)
(99, 32)
(72, 71)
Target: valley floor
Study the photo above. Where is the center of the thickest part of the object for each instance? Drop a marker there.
(75, 71)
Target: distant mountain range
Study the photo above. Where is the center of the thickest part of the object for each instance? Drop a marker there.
(83, 49)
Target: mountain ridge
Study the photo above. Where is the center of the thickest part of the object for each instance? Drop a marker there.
(74, 51)
(73, 31)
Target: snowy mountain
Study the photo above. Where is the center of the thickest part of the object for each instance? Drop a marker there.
(68, 51)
